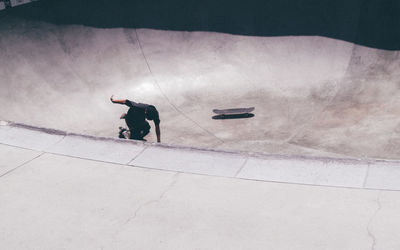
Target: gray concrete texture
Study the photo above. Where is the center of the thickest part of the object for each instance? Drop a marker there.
(319, 171)
(313, 95)
(51, 201)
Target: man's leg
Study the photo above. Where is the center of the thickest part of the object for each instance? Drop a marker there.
(146, 130)
(139, 133)
(136, 134)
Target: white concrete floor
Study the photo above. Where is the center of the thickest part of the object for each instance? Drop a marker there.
(59, 202)
(58, 198)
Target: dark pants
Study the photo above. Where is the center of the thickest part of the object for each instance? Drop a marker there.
(137, 133)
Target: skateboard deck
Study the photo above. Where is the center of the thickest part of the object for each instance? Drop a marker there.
(236, 111)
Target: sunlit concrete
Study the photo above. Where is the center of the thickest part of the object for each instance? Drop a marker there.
(321, 171)
(78, 201)
(314, 96)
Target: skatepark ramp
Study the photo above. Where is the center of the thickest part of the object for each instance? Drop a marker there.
(322, 88)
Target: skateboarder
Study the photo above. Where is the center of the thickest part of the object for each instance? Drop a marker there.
(136, 117)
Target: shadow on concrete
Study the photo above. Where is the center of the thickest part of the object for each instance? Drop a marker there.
(372, 23)
(235, 116)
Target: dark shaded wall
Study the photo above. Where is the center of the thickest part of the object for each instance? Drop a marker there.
(373, 23)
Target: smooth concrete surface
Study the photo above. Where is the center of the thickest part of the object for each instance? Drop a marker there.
(314, 96)
(383, 175)
(192, 161)
(335, 172)
(305, 171)
(60, 202)
(28, 138)
(120, 151)
(12, 157)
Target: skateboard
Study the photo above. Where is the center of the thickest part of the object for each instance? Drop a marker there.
(233, 113)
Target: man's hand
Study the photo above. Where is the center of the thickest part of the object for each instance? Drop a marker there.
(122, 101)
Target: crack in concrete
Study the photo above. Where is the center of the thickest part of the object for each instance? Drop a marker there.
(168, 188)
(370, 234)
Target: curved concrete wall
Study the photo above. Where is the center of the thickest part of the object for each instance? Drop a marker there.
(313, 95)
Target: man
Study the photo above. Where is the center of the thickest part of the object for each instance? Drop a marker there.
(136, 117)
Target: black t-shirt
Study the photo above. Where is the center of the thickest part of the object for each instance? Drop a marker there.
(139, 112)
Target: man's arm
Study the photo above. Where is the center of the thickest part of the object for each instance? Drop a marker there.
(158, 133)
(117, 101)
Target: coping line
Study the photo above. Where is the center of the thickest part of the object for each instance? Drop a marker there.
(246, 156)
(261, 155)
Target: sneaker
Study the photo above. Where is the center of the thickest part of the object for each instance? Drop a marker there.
(121, 132)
